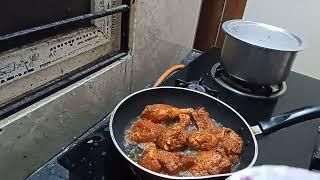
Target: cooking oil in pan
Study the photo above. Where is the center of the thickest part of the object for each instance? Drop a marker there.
(132, 149)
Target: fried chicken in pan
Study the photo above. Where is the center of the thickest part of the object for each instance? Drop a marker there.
(174, 137)
(158, 113)
(230, 145)
(184, 122)
(144, 131)
(209, 134)
(149, 158)
(218, 148)
(204, 140)
(203, 121)
(159, 160)
(231, 142)
(210, 163)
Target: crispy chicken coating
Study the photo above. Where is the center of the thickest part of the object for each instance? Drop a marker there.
(158, 113)
(231, 142)
(174, 137)
(163, 161)
(209, 134)
(210, 163)
(204, 140)
(144, 131)
(203, 121)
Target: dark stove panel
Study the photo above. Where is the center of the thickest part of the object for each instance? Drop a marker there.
(96, 158)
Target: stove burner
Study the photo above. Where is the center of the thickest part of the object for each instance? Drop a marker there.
(244, 88)
(196, 85)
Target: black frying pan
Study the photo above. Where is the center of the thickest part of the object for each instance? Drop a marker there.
(130, 108)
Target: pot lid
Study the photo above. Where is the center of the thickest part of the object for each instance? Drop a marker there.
(263, 35)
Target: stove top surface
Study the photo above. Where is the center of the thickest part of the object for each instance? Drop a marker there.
(93, 156)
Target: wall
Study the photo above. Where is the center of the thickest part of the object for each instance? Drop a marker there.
(297, 16)
(164, 34)
(216, 13)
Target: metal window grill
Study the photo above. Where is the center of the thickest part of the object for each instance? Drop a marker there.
(56, 85)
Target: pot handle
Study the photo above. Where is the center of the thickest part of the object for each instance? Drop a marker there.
(290, 118)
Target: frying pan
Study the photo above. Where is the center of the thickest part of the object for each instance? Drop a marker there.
(130, 108)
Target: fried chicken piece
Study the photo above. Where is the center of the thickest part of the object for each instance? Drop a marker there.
(230, 145)
(208, 136)
(174, 162)
(210, 163)
(204, 140)
(158, 113)
(175, 137)
(144, 131)
(149, 158)
(162, 161)
(203, 121)
(220, 159)
(231, 142)
(184, 121)
(234, 158)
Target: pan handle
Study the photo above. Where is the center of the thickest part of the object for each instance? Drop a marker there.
(290, 118)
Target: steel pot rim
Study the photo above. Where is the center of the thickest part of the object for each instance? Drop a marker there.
(226, 26)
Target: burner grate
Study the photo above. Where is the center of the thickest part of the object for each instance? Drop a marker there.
(244, 88)
(196, 85)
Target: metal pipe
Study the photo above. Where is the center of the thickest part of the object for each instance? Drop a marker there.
(86, 17)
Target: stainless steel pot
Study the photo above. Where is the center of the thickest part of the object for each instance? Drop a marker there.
(258, 53)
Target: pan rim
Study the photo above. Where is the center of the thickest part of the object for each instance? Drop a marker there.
(179, 177)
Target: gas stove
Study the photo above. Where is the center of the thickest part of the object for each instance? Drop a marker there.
(93, 155)
(246, 89)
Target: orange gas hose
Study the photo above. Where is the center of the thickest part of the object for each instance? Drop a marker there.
(167, 73)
